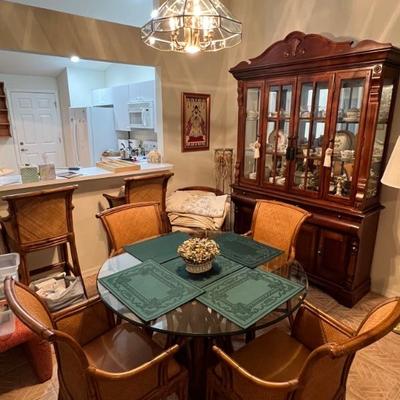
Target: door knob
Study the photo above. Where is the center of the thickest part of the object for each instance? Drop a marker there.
(21, 143)
(23, 149)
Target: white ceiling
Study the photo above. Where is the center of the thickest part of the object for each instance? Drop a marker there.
(127, 12)
(16, 63)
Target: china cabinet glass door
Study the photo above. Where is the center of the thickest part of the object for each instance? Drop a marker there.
(381, 131)
(310, 134)
(278, 127)
(347, 126)
(251, 130)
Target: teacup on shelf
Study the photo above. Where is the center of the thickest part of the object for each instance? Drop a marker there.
(253, 175)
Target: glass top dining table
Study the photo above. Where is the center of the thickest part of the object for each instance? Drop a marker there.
(195, 318)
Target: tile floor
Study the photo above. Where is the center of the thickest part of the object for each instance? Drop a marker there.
(375, 374)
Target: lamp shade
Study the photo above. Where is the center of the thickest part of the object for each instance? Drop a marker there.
(391, 176)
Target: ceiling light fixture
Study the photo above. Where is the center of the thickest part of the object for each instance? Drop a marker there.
(191, 26)
(75, 59)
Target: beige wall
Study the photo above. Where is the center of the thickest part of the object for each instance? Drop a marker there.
(48, 32)
(267, 21)
(264, 21)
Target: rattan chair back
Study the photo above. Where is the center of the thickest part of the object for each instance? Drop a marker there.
(131, 223)
(145, 188)
(278, 224)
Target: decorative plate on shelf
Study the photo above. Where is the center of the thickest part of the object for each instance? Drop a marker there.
(281, 138)
(344, 140)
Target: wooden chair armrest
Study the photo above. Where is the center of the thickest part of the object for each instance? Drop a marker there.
(133, 381)
(233, 374)
(85, 321)
(313, 328)
(292, 255)
(248, 233)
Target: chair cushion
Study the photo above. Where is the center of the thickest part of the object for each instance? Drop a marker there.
(124, 348)
(274, 356)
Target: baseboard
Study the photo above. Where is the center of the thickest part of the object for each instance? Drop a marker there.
(386, 292)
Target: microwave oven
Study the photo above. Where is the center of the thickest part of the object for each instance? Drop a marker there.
(141, 114)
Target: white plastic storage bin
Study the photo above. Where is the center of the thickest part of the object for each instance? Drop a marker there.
(7, 320)
(9, 264)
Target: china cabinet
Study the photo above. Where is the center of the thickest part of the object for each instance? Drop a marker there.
(314, 121)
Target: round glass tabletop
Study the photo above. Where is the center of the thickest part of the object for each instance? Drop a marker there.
(195, 318)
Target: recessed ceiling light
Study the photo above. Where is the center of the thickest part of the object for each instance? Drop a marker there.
(75, 59)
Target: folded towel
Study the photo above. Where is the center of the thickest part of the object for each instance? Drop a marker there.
(195, 221)
(183, 202)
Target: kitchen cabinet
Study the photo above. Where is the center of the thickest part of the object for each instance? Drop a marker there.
(142, 91)
(320, 113)
(120, 99)
(102, 97)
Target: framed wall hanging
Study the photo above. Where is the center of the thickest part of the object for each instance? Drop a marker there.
(195, 122)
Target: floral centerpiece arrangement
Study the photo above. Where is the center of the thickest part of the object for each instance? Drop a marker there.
(198, 254)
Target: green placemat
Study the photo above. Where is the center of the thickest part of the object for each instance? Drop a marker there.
(161, 249)
(244, 250)
(150, 290)
(247, 295)
(221, 267)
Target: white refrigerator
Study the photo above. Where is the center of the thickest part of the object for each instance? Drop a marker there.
(92, 132)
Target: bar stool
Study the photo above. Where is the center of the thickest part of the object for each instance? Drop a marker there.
(139, 189)
(42, 220)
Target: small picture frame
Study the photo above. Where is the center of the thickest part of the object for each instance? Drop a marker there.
(195, 122)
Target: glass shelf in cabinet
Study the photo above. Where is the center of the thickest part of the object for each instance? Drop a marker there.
(314, 157)
(348, 120)
(274, 119)
(310, 157)
(316, 119)
(343, 159)
(276, 153)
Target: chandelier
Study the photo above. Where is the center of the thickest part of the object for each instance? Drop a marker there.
(190, 26)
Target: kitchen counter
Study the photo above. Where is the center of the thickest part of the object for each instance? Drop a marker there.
(13, 182)
(88, 200)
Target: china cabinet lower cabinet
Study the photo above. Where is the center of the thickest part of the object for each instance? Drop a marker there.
(314, 121)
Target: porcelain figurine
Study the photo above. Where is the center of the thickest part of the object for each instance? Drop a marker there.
(154, 157)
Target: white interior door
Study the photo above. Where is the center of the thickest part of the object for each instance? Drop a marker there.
(37, 128)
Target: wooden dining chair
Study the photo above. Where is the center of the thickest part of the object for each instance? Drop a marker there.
(131, 223)
(312, 363)
(42, 220)
(278, 224)
(97, 359)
